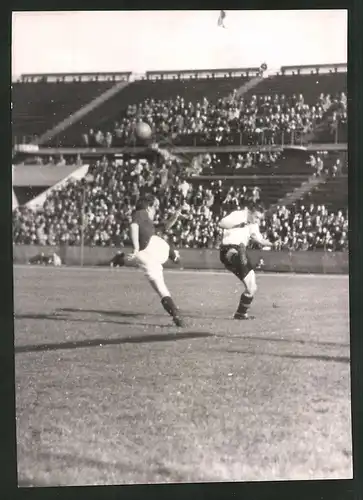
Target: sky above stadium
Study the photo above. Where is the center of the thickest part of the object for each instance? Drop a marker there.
(44, 42)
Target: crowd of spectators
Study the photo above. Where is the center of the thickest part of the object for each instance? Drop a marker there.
(238, 163)
(258, 120)
(103, 207)
(320, 163)
(321, 166)
(307, 228)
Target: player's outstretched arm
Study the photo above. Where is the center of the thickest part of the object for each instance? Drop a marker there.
(263, 242)
(257, 237)
(266, 243)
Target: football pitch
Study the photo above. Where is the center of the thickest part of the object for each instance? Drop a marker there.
(108, 391)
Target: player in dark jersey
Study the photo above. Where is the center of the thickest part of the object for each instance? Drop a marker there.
(150, 252)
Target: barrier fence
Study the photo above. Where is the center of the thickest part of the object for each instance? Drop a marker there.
(318, 262)
(264, 138)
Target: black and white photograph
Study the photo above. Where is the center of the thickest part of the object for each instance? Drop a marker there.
(180, 246)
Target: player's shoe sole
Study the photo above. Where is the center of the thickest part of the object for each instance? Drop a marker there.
(242, 316)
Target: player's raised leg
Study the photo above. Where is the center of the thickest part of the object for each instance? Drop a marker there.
(155, 275)
(151, 260)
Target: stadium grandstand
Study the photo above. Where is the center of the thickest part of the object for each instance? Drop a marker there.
(231, 136)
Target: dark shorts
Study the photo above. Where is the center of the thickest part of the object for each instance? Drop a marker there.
(233, 262)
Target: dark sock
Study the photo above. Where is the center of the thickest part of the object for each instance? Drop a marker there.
(244, 303)
(169, 306)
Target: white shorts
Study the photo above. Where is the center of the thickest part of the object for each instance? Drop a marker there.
(153, 257)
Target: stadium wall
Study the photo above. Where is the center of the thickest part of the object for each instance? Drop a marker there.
(293, 262)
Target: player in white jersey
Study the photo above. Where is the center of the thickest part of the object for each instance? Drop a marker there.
(151, 252)
(239, 228)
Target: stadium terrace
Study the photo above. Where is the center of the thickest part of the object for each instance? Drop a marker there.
(232, 136)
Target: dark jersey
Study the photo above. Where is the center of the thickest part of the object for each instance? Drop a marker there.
(146, 227)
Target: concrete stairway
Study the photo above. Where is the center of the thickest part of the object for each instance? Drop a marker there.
(78, 115)
(250, 84)
(298, 193)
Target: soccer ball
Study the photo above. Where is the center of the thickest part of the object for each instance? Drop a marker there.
(143, 131)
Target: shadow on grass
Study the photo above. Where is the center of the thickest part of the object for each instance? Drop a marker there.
(322, 357)
(127, 314)
(58, 316)
(122, 314)
(70, 319)
(139, 339)
(289, 341)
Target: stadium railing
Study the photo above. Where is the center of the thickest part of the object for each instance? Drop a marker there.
(293, 138)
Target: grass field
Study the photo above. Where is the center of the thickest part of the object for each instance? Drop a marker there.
(108, 391)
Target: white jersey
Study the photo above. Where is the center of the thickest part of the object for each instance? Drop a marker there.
(233, 235)
(242, 235)
(235, 218)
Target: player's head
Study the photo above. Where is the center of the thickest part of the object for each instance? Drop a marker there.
(147, 202)
(255, 213)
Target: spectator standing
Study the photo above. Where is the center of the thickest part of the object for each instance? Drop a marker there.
(184, 188)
